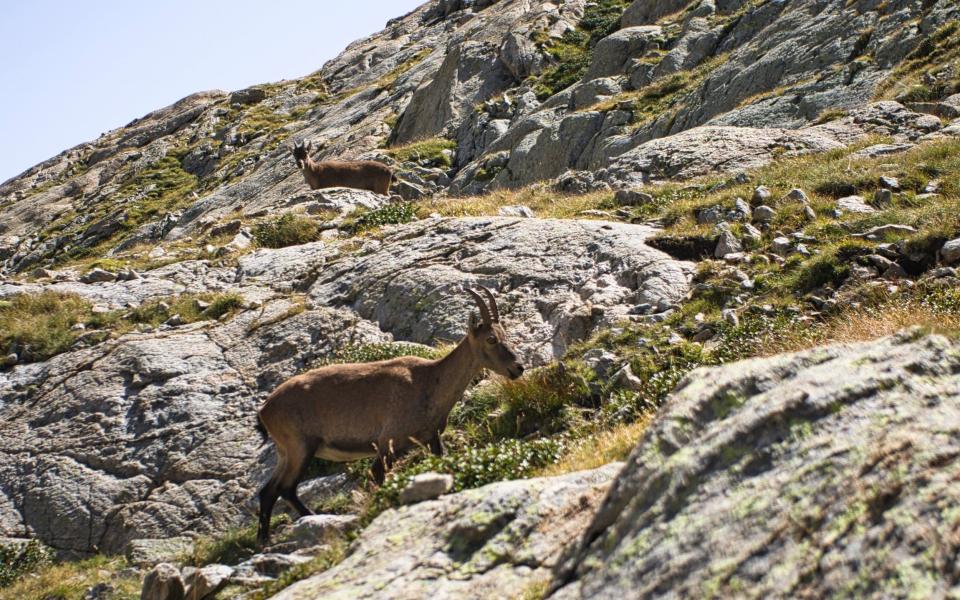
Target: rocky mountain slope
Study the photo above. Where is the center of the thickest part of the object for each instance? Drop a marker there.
(649, 187)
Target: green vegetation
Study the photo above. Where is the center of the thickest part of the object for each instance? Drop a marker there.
(662, 96)
(190, 307)
(390, 79)
(289, 229)
(936, 59)
(361, 353)
(471, 467)
(573, 58)
(573, 51)
(16, 561)
(430, 149)
(54, 580)
(38, 326)
(232, 547)
(392, 214)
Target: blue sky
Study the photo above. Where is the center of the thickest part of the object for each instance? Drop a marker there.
(73, 70)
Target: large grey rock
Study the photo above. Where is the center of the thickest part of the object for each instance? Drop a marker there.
(489, 542)
(320, 529)
(163, 583)
(838, 461)
(426, 486)
(612, 53)
(713, 149)
(205, 582)
(950, 251)
(557, 280)
(158, 439)
(471, 72)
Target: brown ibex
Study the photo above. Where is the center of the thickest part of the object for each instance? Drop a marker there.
(346, 412)
(359, 174)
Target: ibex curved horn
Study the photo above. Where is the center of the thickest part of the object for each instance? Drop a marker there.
(493, 303)
(484, 311)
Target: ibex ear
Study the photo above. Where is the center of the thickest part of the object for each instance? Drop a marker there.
(474, 322)
(309, 145)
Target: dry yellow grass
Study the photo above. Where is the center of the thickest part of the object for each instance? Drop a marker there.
(544, 202)
(67, 581)
(862, 325)
(602, 448)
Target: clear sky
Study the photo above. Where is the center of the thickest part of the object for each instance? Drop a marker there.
(72, 69)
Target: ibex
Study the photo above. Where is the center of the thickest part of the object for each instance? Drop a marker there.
(359, 174)
(346, 412)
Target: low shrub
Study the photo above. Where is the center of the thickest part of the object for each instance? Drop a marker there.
(286, 230)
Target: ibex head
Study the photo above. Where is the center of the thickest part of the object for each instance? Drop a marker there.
(301, 152)
(488, 340)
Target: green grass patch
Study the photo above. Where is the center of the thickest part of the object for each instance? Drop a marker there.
(52, 580)
(431, 149)
(289, 229)
(38, 326)
(18, 561)
(930, 72)
(190, 307)
(392, 214)
(572, 52)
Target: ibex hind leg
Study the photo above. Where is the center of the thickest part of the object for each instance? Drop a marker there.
(298, 461)
(268, 498)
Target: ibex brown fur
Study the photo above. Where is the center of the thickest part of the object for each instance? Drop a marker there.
(359, 174)
(350, 411)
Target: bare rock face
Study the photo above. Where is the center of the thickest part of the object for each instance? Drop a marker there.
(158, 438)
(557, 280)
(490, 542)
(813, 474)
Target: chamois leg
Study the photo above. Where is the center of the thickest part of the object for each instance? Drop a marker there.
(383, 462)
(288, 487)
(436, 445)
(268, 498)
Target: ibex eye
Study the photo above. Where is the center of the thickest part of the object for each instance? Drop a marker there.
(492, 339)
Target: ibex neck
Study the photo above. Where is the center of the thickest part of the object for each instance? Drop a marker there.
(455, 371)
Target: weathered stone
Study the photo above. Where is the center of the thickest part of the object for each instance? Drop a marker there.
(147, 552)
(883, 198)
(163, 583)
(205, 582)
(420, 300)
(761, 195)
(727, 242)
(625, 379)
(890, 183)
(97, 276)
(251, 95)
(950, 251)
(322, 529)
(797, 195)
(854, 204)
(807, 438)
(497, 539)
(516, 211)
(612, 53)
(883, 231)
(426, 486)
(781, 245)
(764, 214)
(632, 198)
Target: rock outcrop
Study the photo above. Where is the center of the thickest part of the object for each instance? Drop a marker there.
(827, 472)
(490, 542)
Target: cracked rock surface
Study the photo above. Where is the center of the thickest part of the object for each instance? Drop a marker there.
(828, 472)
(488, 542)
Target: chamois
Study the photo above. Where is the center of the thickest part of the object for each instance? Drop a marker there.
(359, 174)
(346, 412)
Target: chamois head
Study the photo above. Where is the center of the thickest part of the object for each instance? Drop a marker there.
(488, 340)
(301, 153)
